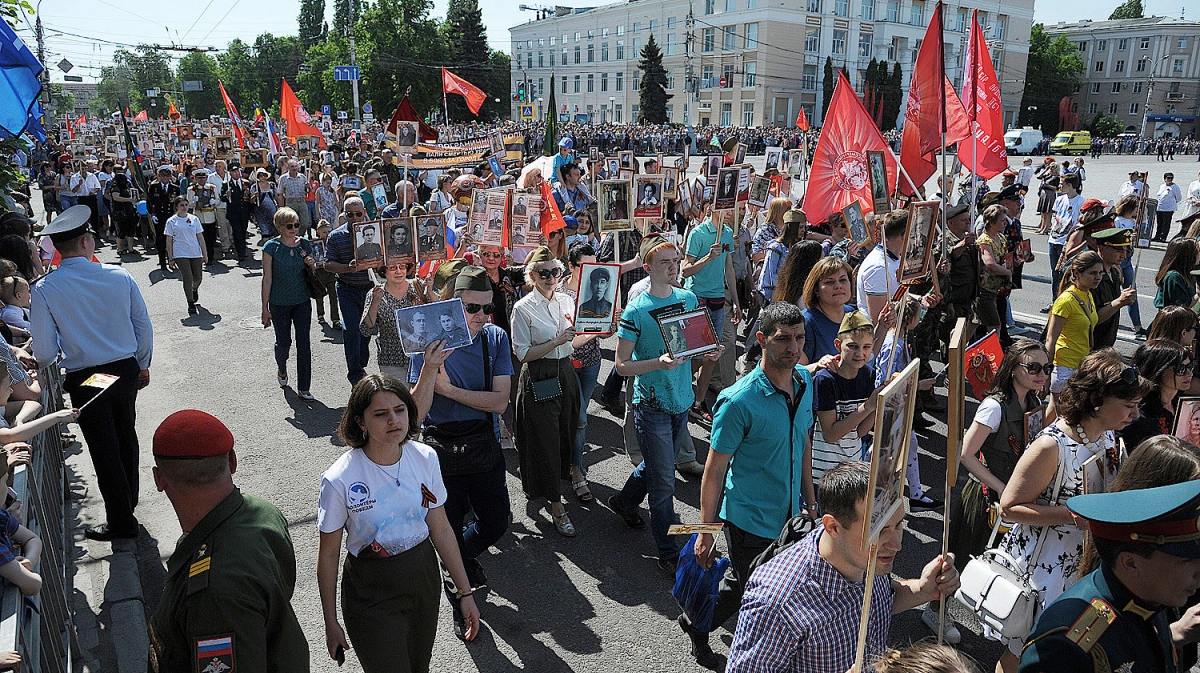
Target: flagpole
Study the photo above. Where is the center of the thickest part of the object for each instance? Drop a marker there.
(971, 111)
(942, 101)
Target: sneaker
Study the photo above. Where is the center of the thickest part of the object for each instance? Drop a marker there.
(632, 519)
(192, 310)
(924, 504)
(306, 396)
(701, 650)
(691, 468)
(930, 617)
(1140, 334)
(668, 564)
(282, 379)
(337, 325)
(321, 321)
(1046, 308)
(475, 573)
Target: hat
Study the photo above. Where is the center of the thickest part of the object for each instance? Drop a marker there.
(1166, 517)
(729, 145)
(989, 199)
(565, 142)
(572, 223)
(416, 211)
(1114, 237)
(200, 173)
(1010, 173)
(71, 224)
(473, 278)
(446, 271)
(235, 166)
(1138, 173)
(852, 321)
(164, 169)
(1048, 160)
(793, 215)
(539, 254)
(1011, 192)
(954, 211)
(651, 244)
(1091, 203)
(1098, 225)
(192, 434)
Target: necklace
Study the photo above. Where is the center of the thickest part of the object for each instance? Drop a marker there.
(394, 477)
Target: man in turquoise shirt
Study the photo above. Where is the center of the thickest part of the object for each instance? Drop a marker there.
(708, 272)
(769, 475)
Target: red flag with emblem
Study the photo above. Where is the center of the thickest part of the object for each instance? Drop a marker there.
(840, 173)
(802, 120)
(985, 155)
(234, 117)
(297, 118)
(921, 166)
(983, 361)
(552, 219)
(475, 96)
(142, 116)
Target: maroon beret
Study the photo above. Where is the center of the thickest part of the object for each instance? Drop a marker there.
(192, 434)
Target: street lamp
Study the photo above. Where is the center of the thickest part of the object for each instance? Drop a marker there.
(1149, 91)
(543, 110)
(612, 105)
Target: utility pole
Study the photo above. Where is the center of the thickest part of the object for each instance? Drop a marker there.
(690, 88)
(354, 62)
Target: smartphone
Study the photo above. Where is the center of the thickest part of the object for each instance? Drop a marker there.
(339, 655)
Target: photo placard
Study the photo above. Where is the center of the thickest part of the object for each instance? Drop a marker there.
(595, 304)
(424, 324)
(688, 334)
(368, 244)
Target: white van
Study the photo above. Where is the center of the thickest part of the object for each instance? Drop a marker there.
(1022, 141)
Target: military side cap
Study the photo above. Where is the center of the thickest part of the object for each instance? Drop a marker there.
(852, 321)
(989, 199)
(473, 278)
(447, 271)
(1167, 517)
(71, 224)
(729, 145)
(1012, 192)
(1114, 237)
(651, 244)
(540, 254)
(794, 215)
(192, 434)
(954, 211)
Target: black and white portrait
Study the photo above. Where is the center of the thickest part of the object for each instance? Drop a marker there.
(726, 192)
(597, 298)
(367, 249)
(423, 324)
(399, 239)
(614, 205)
(431, 239)
(407, 134)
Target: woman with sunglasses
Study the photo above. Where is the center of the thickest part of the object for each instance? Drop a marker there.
(1178, 324)
(286, 301)
(1169, 366)
(547, 413)
(379, 320)
(1077, 453)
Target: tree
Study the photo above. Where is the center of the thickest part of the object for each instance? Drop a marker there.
(1053, 72)
(1131, 9)
(394, 39)
(342, 10)
(1106, 127)
(466, 39)
(893, 98)
(203, 68)
(653, 95)
(61, 100)
(312, 22)
(827, 83)
(124, 84)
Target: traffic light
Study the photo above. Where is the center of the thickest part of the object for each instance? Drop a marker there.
(521, 91)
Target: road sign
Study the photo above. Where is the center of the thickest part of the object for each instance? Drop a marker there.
(193, 85)
(65, 65)
(342, 114)
(345, 73)
(724, 82)
(526, 112)
(72, 78)
(367, 108)
(151, 93)
(357, 125)
(368, 117)
(325, 109)
(304, 67)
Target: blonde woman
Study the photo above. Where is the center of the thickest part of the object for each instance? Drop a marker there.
(286, 302)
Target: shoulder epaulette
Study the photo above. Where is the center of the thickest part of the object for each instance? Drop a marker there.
(198, 570)
(1091, 625)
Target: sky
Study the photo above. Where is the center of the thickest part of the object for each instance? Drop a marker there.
(87, 32)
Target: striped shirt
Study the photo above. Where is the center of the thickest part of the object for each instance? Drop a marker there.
(339, 247)
(835, 393)
(800, 615)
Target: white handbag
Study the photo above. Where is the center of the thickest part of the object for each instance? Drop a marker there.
(998, 591)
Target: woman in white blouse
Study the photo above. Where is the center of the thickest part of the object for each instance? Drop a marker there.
(547, 408)
(385, 496)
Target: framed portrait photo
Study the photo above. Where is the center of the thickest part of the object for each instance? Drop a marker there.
(255, 158)
(408, 134)
(1034, 422)
(856, 224)
(774, 159)
(889, 455)
(615, 213)
(612, 167)
(1145, 224)
(743, 184)
(648, 196)
(627, 160)
(304, 145)
(683, 196)
(431, 238)
(877, 171)
(593, 154)
(796, 163)
(525, 222)
(496, 144)
(595, 304)
(918, 240)
(760, 191)
(725, 197)
(400, 240)
(1187, 419)
(688, 334)
(368, 244)
(626, 174)
(185, 132)
(739, 154)
(495, 219)
(670, 182)
(424, 324)
(715, 163)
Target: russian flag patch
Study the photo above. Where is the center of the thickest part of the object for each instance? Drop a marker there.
(215, 655)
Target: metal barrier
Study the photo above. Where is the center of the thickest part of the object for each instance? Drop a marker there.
(39, 627)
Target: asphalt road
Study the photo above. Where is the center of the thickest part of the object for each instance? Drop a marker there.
(596, 602)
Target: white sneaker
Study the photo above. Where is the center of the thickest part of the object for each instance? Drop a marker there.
(951, 635)
(506, 438)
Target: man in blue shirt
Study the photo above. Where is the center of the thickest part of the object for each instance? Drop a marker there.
(352, 288)
(762, 466)
(708, 272)
(95, 316)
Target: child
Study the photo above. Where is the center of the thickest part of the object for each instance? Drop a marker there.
(328, 279)
(23, 431)
(18, 570)
(186, 250)
(846, 398)
(14, 291)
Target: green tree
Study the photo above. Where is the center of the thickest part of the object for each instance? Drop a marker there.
(827, 82)
(1105, 126)
(466, 40)
(1052, 73)
(125, 82)
(203, 68)
(239, 73)
(62, 102)
(1130, 9)
(893, 98)
(653, 95)
(318, 86)
(342, 10)
(274, 59)
(398, 47)
(312, 22)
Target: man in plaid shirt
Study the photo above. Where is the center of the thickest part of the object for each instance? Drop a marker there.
(801, 609)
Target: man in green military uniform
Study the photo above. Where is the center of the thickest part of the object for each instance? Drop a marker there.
(227, 605)
(1117, 619)
(1113, 244)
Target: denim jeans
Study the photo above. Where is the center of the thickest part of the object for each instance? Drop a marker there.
(351, 300)
(1055, 274)
(1135, 315)
(587, 384)
(283, 318)
(658, 434)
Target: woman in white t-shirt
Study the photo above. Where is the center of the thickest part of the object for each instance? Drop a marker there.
(385, 497)
(186, 251)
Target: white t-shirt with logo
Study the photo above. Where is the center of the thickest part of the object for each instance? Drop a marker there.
(380, 517)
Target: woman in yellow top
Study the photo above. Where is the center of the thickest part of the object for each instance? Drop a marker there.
(997, 265)
(1072, 319)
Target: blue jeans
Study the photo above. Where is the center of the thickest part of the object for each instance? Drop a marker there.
(66, 200)
(658, 434)
(352, 300)
(587, 383)
(1135, 315)
(1055, 274)
(283, 318)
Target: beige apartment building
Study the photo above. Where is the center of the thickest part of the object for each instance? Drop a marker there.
(749, 62)
(1145, 72)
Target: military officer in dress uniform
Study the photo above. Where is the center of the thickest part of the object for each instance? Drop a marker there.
(227, 601)
(1117, 618)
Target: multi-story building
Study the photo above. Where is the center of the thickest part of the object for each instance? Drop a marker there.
(749, 62)
(84, 92)
(1145, 72)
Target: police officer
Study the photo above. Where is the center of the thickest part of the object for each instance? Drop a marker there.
(227, 601)
(1117, 618)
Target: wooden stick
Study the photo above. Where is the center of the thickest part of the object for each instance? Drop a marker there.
(861, 651)
(84, 405)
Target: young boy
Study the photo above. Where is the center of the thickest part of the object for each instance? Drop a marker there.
(327, 278)
(845, 399)
(14, 292)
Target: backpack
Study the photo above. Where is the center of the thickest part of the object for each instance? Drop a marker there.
(793, 531)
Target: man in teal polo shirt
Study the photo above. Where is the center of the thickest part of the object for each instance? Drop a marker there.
(708, 272)
(769, 476)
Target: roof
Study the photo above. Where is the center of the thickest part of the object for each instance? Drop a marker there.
(1122, 25)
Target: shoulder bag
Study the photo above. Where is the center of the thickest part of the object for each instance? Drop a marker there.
(467, 447)
(994, 587)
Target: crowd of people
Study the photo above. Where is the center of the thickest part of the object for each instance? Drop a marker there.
(809, 329)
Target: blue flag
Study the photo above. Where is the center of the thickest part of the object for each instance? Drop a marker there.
(19, 83)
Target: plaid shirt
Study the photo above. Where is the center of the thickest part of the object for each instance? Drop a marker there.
(8, 528)
(800, 615)
(339, 247)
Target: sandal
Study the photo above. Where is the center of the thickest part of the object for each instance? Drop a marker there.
(564, 525)
(582, 492)
(699, 413)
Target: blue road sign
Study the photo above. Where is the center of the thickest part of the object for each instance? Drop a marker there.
(345, 73)
(367, 108)
(325, 109)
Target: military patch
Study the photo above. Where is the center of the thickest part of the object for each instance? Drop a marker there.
(215, 655)
(1091, 625)
(427, 497)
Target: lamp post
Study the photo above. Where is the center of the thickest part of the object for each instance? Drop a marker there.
(612, 105)
(541, 108)
(1149, 92)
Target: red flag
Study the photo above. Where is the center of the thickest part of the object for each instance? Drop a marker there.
(552, 219)
(983, 361)
(920, 167)
(142, 116)
(297, 118)
(839, 169)
(405, 112)
(233, 116)
(70, 129)
(802, 120)
(985, 155)
(81, 120)
(172, 111)
(475, 96)
(924, 96)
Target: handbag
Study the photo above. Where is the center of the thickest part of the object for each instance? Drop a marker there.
(994, 587)
(546, 389)
(467, 447)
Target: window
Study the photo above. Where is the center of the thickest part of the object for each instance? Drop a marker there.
(726, 114)
(653, 25)
(620, 30)
(731, 5)
(1144, 43)
(637, 27)
(839, 41)
(591, 53)
(727, 74)
(604, 81)
(670, 46)
(751, 4)
(637, 47)
(670, 23)
(592, 34)
(709, 6)
(1134, 108)
(1120, 67)
(1177, 66)
(752, 36)
(893, 11)
(576, 83)
(576, 54)
(517, 45)
(809, 80)
(1092, 109)
(529, 59)
(1174, 87)
(814, 6)
(1122, 44)
(708, 39)
(541, 42)
(916, 50)
(591, 84)
(670, 112)
(529, 44)
(960, 22)
(619, 85)
(1101, 45)
(865, 46)
(841, 7)
(1141, 65)
(670, 81)
(1082, 46)
(812, 39)
(706, 77)
(552, 59)
(564, 56)
(1182, 44)
(604, 52)
(1099, 66)
(998, 28)
(620, 50)
(727, 41)
(1095, 87)
(747, 114)
(633, 112)
(603, 32)
(541, 60)
(1112, 108)
(1137, 87)
(749, 74)
(541, 86)
(1116, 87)
(637, 80)
(867, 11)
(618, 114)
(916, 14)
(576, 36)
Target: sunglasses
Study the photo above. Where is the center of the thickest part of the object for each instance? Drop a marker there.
(545, 274)
(355, 213)
(290, 226)
(476, 308)
(1184, 367)
(1035, 368)
(491, 254)
(1129, 375)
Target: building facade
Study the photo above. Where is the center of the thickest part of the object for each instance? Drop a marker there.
(84, 92)
(749, 62)
(1145, 72)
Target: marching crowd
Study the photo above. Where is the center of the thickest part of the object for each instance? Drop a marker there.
(1099, 497)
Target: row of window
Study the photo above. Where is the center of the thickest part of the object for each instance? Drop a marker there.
(1134, 108)
(1115, 87)
(1123, 44)
(1140, 65)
